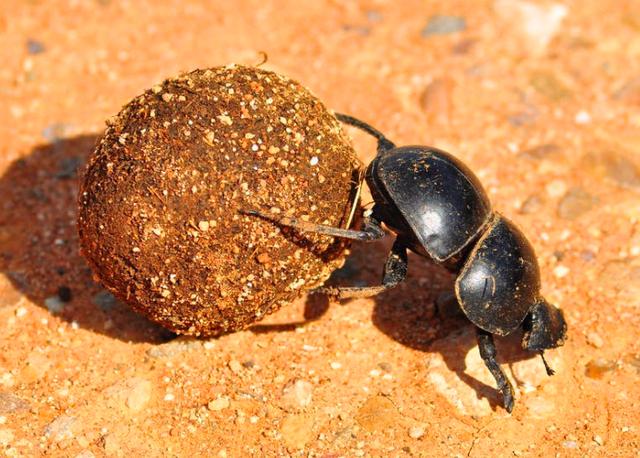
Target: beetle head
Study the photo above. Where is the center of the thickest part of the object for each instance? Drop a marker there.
(544, 327)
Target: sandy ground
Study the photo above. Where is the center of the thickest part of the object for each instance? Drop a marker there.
(541, 100)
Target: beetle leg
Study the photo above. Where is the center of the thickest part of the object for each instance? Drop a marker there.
(488, 354)
(371, 229)
(395, 271)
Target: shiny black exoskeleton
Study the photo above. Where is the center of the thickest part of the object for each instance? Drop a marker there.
(438, 209)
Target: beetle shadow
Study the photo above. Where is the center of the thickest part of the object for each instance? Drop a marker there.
(409, 315)
(39, 247)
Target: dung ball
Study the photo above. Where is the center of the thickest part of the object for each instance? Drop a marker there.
(160, 219)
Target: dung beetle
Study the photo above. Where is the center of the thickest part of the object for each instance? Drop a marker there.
(437, 208)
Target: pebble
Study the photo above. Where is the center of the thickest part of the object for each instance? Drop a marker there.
(583, 117)
(218, 404)
(575, 203)
(594, 339)
(55, 132)
(297, 394)
(61, 428)
(531, 205)
(416, 432)
(9, 403)
(133, 394)
(378, 414)
(561, 271)
(536, 23)
(35, 47)
(54, 304)
(335, 365)
(174, 347)
(105, 300)
(548, 85)
(540, 407)
(6, 436)
(111, 445)
(85, 454)
(556, 188)
(444, 25)
(598, 440)
(435, 101)
(297, 430)
(596, 368)
(235, 366)
(38, 364)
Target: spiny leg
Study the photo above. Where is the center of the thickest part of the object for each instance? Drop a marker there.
(395, 271)
(371, 229)
(488, 354)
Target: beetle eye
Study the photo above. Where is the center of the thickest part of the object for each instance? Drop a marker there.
(544, 327)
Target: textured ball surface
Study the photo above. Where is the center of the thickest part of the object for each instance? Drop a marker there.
(159, 218)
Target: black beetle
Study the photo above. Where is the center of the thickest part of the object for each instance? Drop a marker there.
(438, 209)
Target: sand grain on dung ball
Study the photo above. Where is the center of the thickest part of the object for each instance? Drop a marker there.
(158, 217)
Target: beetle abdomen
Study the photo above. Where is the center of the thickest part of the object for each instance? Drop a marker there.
(441, 200)
(500, 281)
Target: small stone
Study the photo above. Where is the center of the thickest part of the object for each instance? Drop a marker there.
(38, 364)
(35, 46)
(85, 454)
(575, 203)
(378, 414)
(594, 339)
(235, 366)
(436, 100)
(203, 226)
(6, 436)
(416, 432)
(444, 25)
(167, 97)
(105, 300)
(335, 365)
(61, 428)
(598, 440)
(597, 368)
(548, 85)
(54, 304)
(556, 188)
(9, 403)
(561, 271)
(297, 394)
(537, 24)
(218, 404)
(55, 132)
(583, 117)
(540, 407)
(297, 430)
(540, 151)
(111, 444)
(531, 205)
(132, 394)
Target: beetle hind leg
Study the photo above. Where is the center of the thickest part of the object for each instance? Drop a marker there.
(395, 271)
(488, 354)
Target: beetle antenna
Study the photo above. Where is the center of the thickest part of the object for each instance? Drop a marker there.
(384, 143)
(546, 364)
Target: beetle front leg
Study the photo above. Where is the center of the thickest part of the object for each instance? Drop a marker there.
(371, 228)
(395, 271)
(488, 354)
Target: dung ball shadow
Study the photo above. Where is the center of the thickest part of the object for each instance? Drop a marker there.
(39, 251)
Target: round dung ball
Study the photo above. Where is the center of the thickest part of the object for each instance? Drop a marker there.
(160, 205)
